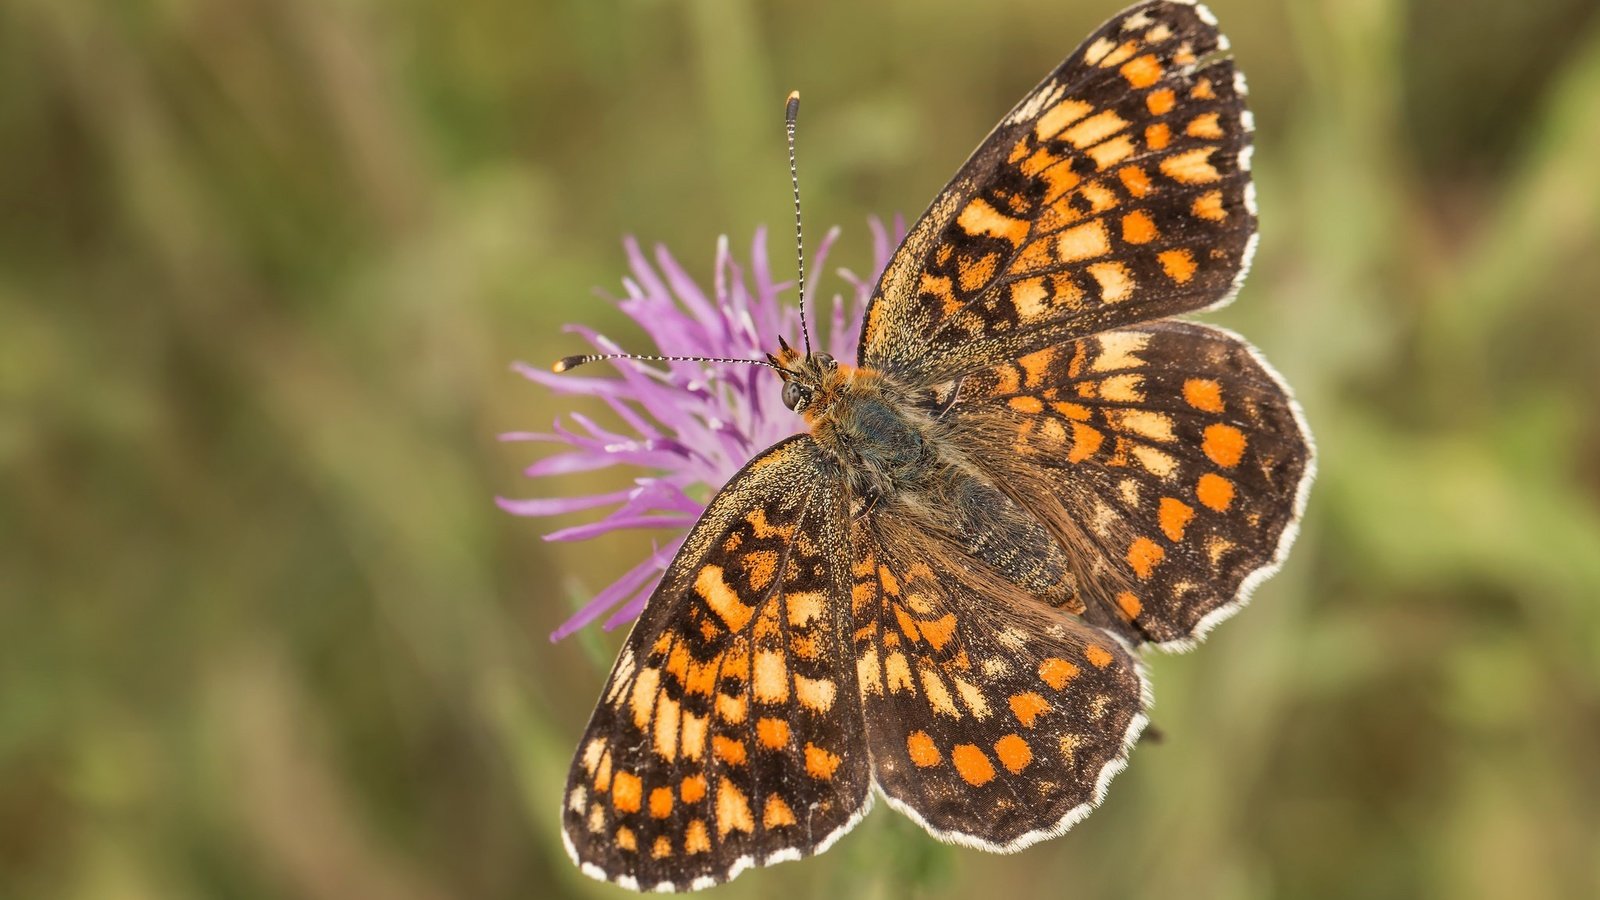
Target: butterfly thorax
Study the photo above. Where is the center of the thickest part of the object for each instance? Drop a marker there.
(868, 422)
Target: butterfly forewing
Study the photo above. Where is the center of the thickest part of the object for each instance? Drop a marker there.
(1117, 191)
(728, 734)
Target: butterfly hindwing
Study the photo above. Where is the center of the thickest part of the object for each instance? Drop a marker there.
(1169, 452)
(1117, 191)
(728, 734)
(994, 721)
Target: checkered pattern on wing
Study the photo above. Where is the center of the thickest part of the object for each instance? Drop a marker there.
(1118, 191)
(993, 721)
(729, 733)
(1169, 450)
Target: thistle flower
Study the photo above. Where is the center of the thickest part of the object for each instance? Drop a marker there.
(689, 425)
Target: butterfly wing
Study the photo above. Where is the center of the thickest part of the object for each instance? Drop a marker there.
(1169, 454)
(993, 720)
(1116, 192)
(727, 735)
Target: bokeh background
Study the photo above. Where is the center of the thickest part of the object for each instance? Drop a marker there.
(264, 265)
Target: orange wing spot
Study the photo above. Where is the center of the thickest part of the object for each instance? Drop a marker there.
(1019, 150)
(1204, 126)
(1037, 161)
(732, 708)
(1138, 227)
(939, 631)
(820, 764)
(1060, 116)
(1036, 366)
(1123, 51)
(692, 789)
(627, 791)
(1214, 491)
(777, 813)
(1085, 241)
(626, 839)
(1208, 206)
(1178, 264)
(728, 750)
(1142, 71)
(1054, 672)
(1202, 90)
(1072, 410)
(1224, 444)
(693, 739)
(1116, 282)
(1028, 707)
(1013, 752)
(1094, 129)
(979, 218)
(1029, 298)
(972, 764)
(1191, 166)
(1144, 554)
(1157, 136)
(1160, 102)
(1108, 153)
(804, 607)
(922, 750)
(662, 848)
(891, 584)
(1174, 516)
(602, 775)
(666, 728)
(1135, 179)
(771, 677)
(773, 733)
(1098, 50)
(815, 694)
(1098, 656)
(696, 838)
(661, 802)
(1203, 394)
(759, 568)
(1129, 604)
(721, 598)
(733, 810)
(1035, 256)
(940, 287)
(898, 672)
(1085, 441)
(1099, 197)
(1026, 404)
(975, 273)
(1052, 434)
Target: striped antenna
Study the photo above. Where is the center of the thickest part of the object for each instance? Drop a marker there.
(791, 112)
(567, 363)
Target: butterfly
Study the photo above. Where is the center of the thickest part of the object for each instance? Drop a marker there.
(937, 593)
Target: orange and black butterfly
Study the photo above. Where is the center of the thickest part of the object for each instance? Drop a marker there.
(937, 594)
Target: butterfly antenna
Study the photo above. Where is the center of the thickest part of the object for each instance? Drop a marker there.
(567, 363)
(791, 112)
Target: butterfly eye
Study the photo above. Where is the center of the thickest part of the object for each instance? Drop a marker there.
(796, 395)
(825, 361)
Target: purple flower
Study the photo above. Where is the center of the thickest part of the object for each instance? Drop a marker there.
(689, 425)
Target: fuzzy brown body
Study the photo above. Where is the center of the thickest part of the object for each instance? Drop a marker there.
(909, 463)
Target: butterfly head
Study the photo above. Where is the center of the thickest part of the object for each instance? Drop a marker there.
(810, 380)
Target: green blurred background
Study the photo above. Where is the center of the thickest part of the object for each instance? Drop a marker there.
(263, 266)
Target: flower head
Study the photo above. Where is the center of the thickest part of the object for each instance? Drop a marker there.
(689, 425)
